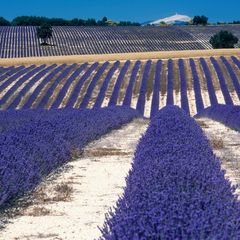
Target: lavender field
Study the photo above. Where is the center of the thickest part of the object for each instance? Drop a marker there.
(175, 187)
(147, 86)
(18, 42)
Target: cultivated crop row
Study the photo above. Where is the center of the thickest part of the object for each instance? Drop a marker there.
(229, 115)
(35, 142)
(173, 189)
(190, 83)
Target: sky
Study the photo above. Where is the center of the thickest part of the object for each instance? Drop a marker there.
(133, 10)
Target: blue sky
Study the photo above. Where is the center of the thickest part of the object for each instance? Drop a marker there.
(133, 10)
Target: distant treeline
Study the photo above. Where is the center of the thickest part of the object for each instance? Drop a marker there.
(38, 21)
(234, 22)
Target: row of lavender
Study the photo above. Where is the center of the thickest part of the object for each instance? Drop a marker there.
(176, 188)
(229, 115)
(16, 84)
(35, 142)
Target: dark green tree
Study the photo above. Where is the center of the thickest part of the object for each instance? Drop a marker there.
(44, 33)
(90, 22)
(200, 20)
(223, 39)
(103, 22)
(4, 22)
(104, 19)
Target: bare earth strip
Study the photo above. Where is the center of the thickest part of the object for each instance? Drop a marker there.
(203, 84)
(190, 90)
(226, 145)
(163, 85)
(72, 205)
(120, 56)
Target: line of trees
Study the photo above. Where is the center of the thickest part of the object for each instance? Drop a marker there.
(224, 23)
(38, 21)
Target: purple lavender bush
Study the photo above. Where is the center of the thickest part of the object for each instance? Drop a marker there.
(209, 81)
(34, 142)
(232, 74)
(142, 91)
(196, 86)
(222, 81)
(120, 79)
(229, 115)
(156, 89)
(170, 83)
(176, 188)
(128, 95)
(183, 86)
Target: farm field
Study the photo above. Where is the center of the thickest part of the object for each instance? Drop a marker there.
(147, 86)
(119, 121)
(79, 208)
(22, 41)
(82, 209)
(72, 133)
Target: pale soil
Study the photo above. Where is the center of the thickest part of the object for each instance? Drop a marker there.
(119, 56)
(226, 147)
(73, 205)
(191, 102)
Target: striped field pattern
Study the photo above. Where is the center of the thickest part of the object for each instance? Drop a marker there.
(147, 86)
(22, 41)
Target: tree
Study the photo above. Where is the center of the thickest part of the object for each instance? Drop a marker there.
(200, 20)
(44, 33)
(103, 22)
(4, 22)
(90, 22)
(104, 19)
(162, 23)
(223, 39)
